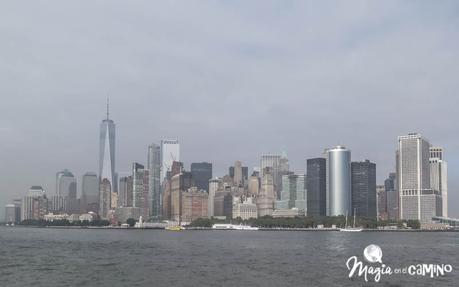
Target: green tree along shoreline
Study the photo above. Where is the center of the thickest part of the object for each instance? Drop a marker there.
(265, 221)
(308, 222)
(63, 222)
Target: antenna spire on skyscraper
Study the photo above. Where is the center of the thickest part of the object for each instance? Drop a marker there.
(108, 106)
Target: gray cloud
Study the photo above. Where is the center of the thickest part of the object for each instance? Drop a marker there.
(230, 79)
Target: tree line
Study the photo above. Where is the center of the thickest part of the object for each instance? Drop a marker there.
(63, 222)
(308, 222)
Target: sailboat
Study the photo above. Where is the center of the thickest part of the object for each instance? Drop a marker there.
(351, 229)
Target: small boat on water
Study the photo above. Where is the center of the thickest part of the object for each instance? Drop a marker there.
(233, 227)
(351, 229)
(175, 228)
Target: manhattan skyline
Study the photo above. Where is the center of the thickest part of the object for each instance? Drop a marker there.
(231, 94)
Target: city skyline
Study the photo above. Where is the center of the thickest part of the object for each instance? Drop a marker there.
(232, 143)
(436, 151)
(226, 94)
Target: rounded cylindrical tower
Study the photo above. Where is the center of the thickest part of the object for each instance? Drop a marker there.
(339, 181)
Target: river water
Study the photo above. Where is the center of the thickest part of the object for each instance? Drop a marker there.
(83, 257)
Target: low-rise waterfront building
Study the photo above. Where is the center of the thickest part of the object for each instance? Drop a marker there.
(90, 216)
(55, 217)
(289, 213)
(244, 208)
(124, 213)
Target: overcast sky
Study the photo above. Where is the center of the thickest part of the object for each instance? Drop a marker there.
(229, 79)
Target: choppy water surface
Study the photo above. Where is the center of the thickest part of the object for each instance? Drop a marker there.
(66, 257)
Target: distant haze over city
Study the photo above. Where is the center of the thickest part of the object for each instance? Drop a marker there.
(229, 80)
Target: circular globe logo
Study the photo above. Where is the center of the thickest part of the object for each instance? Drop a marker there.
(373, 253)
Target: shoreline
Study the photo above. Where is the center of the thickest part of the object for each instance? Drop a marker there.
(210, 229)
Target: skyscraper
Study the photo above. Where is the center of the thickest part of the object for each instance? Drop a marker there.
(237, 178)
(168, 200)
(254, 185)
(439, 176)
(90, 192)
(201, 173)
(65, 184)
(436, 152)
(278, 166)
(34, 204)
(140, 189)
(418, 200)
(125, 196)
(105, 198)
(223, 202)
(363, 182)
(170, 152)
(154, 167)
(107, 175)
(381, 202)
(266, 197)
(179, 183)
(390, 182)
(194, 204)
(293, 193)
(214, 185)
(66, 193)
(12, 213)
(245, 173)
(338, 181)
(316, 186)
(392, 197)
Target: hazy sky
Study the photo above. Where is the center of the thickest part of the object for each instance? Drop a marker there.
(229, 79)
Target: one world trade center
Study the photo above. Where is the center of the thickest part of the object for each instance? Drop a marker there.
(107, 175)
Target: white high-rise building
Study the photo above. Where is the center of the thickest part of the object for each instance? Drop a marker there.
(170, 152)
(418, 201)
(34, 204)
(439, 176)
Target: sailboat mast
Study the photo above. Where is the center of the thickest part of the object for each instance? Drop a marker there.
(354, 218)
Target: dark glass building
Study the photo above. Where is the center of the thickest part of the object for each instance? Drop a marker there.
(201, 173)
(392, 196)
(389, 183)
(363, 179)
(316, 186)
